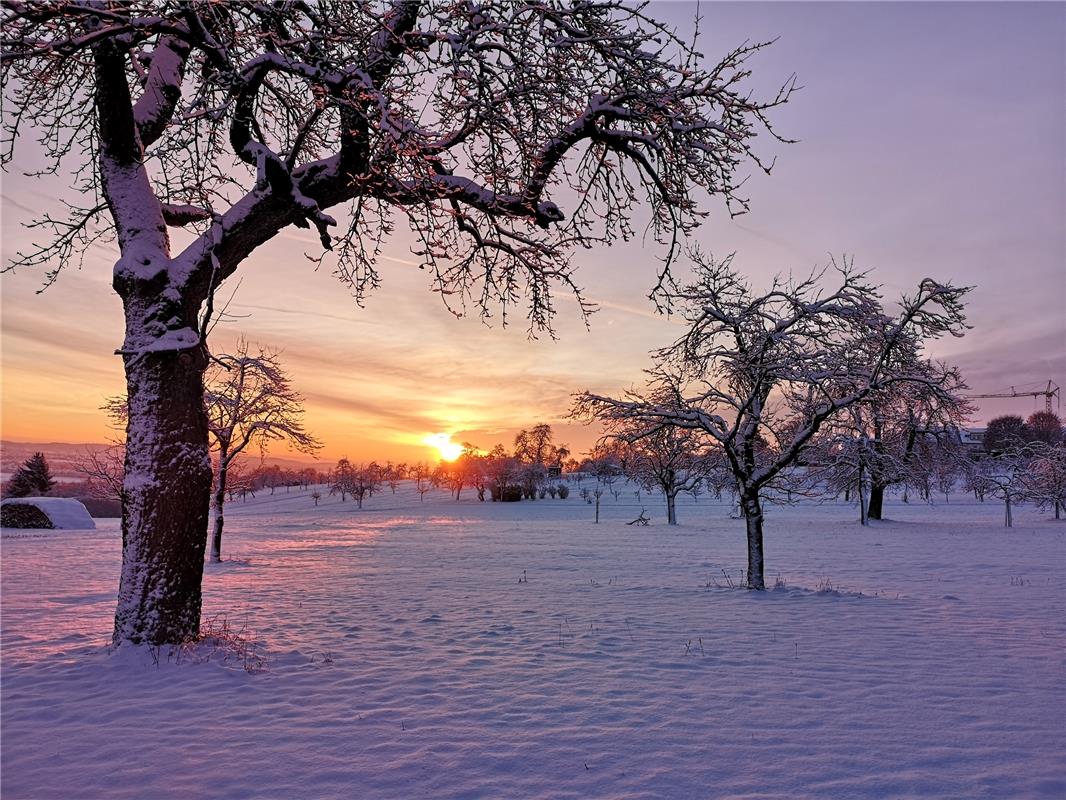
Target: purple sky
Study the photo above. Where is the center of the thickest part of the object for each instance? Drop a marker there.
(932, 143)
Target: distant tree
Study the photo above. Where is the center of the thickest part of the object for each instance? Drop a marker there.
(1046, 478)
(342, 479)
(535, 451)
(1044, 427)
(465, 470)
(250, 403)
(503, 473)
(421, 473)
(780, 365)
(1004, 433)
(1006, 476)
(605, 463)
(463, 119)
(357, 480)
(32, 479)
(662, 456)
(392, 474)
(904, 434)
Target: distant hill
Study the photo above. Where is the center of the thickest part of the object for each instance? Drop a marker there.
(62, 456)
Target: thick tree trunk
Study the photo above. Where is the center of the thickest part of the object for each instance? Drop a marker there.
(167, 494)
(751, 507)
(671, 509)
(1008, 518)
(220, 500)
(877, 500)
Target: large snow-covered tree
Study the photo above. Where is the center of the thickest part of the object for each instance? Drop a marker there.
(761, 374)
(505, 135)
(250, 403)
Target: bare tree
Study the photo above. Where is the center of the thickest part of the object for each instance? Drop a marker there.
(1046, 481)
(103, 470)
(342, 479)
(421, 473)
(661, 456)
(905, 433)
(606, 464)
(250, 403)
(463, 119)
(357, 480)
(761, 374)
(1006, 476)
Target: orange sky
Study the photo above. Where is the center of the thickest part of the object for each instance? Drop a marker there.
(977, 198)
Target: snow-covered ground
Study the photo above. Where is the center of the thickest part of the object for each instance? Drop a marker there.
(483, 650)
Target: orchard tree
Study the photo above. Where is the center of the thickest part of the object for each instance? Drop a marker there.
(467, 121)
(250, 403)
(1046, 480)
(777, 367)
(421, 474)
(662, 456)
(901, 434)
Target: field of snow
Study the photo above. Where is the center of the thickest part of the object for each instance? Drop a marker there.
(482, 650)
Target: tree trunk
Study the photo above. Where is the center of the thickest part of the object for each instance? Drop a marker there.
(597, 508)
(220, 500)
(1008, 520)
(167, 496)
(753, 518)
(671, 509)
(877, 500)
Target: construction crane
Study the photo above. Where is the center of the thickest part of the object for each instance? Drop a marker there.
(1052, 390)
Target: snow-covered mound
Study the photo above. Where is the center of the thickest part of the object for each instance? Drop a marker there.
(62, 512)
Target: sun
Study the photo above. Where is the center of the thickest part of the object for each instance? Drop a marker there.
(449, 450)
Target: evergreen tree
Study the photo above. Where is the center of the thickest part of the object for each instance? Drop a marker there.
(32, 479)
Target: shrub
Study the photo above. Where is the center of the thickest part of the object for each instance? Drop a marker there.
(23, 515)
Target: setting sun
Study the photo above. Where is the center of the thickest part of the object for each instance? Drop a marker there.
(449, 450)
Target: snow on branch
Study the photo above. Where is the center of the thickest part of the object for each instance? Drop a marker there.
(767, 372)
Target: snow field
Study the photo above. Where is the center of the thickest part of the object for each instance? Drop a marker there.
(482, 650)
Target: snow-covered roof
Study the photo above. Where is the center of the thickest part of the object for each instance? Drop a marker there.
(62, 512)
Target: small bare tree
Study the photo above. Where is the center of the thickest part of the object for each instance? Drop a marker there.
(421, 472)
(103, 471)
(250, 403)
(762, 374)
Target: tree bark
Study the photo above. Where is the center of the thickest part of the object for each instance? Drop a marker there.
(671, 509)
(751, 507)
(220, 500)
(167, 495)
(877, 500)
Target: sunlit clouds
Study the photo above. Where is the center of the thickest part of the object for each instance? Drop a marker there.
(443, 444)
